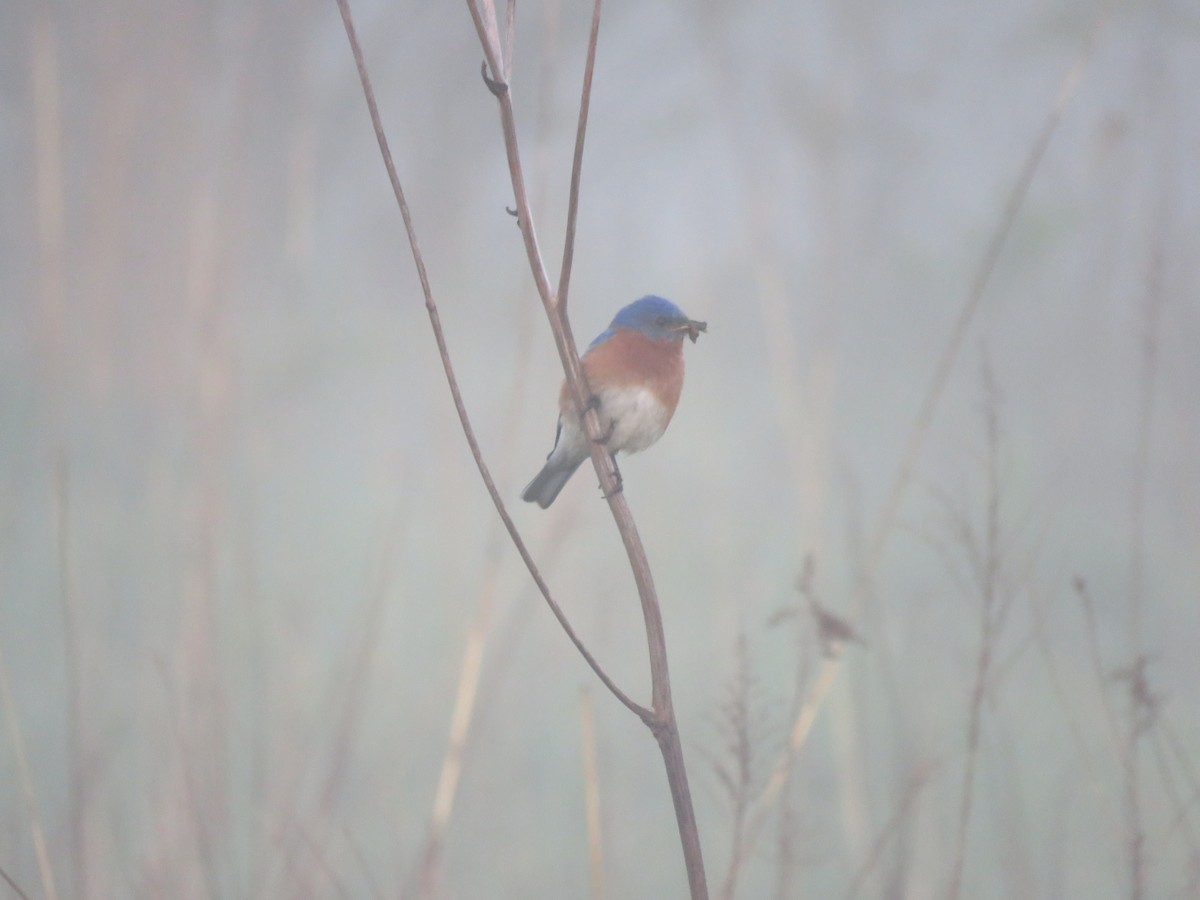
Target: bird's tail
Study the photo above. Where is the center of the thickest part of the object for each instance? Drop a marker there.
(548, 482)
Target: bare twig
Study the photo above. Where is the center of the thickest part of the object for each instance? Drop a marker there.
(16, 888)
(1152, 315)
(1170, 736)
(460, 724)
(484, 18)
(796, 740)
(832, 635)
(1167, 744)
(1179, 801)
(988, 566)
(468, 699)
(915, 784)
(737, 767)
(661, 718)
(785, 844)
(444, 353)
(1124, 743)
(759, 809)
(1143, 705)
(1098, 670)
(1041, 633)
(16, 738)
(753, 811)
(322, 864)
(510, 37)
(564, 277)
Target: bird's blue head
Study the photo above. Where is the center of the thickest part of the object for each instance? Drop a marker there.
(655, 317)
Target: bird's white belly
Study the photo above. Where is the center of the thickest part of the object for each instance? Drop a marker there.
(638, 418)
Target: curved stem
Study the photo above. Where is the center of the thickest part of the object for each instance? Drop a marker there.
(661, 719)
(444, 353)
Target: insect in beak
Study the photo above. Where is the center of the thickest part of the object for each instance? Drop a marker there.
(693, 328)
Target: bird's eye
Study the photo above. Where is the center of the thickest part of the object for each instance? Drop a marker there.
(661, 321)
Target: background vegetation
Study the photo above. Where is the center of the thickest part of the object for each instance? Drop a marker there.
(243, 545)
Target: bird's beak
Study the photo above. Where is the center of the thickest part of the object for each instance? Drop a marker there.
(693, 328)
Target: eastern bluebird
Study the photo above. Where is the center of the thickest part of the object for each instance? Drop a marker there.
(635, 372)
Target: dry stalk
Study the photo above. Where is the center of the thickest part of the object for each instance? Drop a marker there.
(660, 718)
(739, 725)
(988, 566)
(461, 719)
(916, 784)
(28, 793)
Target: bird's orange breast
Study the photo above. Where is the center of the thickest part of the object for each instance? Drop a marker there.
(629, 359)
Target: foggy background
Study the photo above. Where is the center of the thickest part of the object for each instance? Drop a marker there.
(242, 540)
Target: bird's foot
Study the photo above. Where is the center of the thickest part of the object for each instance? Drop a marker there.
(608, 433)
(618, 489)
(593, 405)
(620, 481)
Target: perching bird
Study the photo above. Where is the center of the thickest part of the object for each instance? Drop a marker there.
(635, 372)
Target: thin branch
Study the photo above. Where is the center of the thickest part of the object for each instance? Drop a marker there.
(1135, 836)
(364, 868)
(460, 724)
(564, 278)
(661, 720)
(783, 767)
(510, 38)
(560, 325)
(915, 785)
(322, 864)
(1178, 800)
(489, 36)
(16, 888)
(737, 768)
(1098, 671)
(452, 381)
(1175, 744)
(16, 738)
(832, 633)
(989, 567)
(467, 701)
(1041, 633)
(1152, 320)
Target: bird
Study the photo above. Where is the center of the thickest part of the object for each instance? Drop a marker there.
(634, 370)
